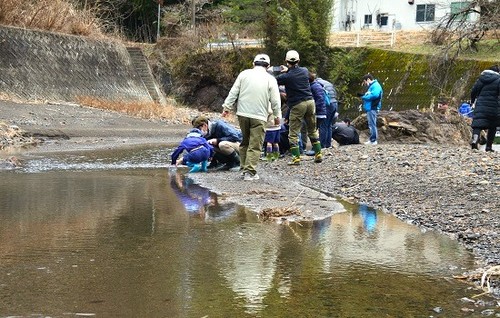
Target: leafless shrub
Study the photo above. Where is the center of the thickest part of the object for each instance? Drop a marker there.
(51, 15)
(463, 28)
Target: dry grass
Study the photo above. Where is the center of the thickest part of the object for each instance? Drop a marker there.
(146, 110)
(51, 15)
(486, 277)
(276, 213)
(273, 213)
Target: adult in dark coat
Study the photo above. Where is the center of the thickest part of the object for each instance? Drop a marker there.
(344, 133)
(486, 96)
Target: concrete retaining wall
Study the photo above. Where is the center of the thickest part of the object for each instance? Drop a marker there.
(43, 66)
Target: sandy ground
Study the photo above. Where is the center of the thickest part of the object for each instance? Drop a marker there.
(453, 190)
(66, 127)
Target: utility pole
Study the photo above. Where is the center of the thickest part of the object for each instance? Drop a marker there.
(193, 14)
(158, 22)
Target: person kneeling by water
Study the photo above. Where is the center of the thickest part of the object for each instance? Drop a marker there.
(225, 140)
(198, 151)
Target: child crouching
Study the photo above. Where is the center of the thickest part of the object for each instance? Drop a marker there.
(198, 151)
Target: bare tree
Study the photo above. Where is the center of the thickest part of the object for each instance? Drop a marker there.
(467, 25)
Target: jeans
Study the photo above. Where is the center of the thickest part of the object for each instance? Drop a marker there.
(372, 124)
(328, 123)
(323, 125)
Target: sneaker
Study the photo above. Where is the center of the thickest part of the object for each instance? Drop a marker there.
(249, 177)
(235, 169)
(368, 142)
(310, 153)
(373, 143)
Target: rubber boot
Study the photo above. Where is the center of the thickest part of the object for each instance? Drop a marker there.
(269, 157)
(490, 138)
(318, 156)
(214, 163)
(219, 162)
(204, 164)
(489, 147)
(195, 168)
(234, 161)
(474, 141)
(276, 155)
(295, 156)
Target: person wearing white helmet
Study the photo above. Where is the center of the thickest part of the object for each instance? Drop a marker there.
(253, 91)
(301, 106)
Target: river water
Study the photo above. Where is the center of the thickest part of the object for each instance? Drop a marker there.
(118, 234)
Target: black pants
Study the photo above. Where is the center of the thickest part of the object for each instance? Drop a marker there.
(490, 136)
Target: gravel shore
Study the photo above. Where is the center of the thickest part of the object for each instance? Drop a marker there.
(450, 189)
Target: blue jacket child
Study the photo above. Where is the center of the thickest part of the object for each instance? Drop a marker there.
(198, 151)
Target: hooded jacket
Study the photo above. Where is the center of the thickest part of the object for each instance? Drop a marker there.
(372, 99)
(193, 142)
(485, 94)
(319, 99)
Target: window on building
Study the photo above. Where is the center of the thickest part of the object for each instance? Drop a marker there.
(457, 7)
(368, 19)
(382, 19)
(425, 12)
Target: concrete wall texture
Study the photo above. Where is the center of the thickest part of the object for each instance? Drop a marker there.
(43, 66)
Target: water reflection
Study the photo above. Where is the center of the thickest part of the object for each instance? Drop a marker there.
(193, 197)
(248, 262)
(369, 216)
(150, 243)
(198, 201)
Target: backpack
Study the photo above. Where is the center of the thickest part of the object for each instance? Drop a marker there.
(326, 97)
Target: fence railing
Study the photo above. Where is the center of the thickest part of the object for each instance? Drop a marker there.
(237, 43)
(341, 38)
(363, 38)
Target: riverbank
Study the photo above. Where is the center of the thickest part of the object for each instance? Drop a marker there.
(450, 189)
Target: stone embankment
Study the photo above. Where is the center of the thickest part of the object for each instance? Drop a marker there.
(43, 66)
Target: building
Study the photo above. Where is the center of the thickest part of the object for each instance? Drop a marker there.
(385, 15)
